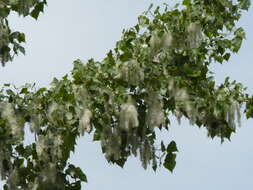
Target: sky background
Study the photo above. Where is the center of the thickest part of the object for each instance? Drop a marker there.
(89, 29)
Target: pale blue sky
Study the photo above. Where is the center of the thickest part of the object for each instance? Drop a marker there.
(89, 28)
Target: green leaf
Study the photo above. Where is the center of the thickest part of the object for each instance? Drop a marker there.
(219, 59)
(24, 91)
(143, 20)
(187, 2)
(170, 161)
(80, 174)
(10, 92)
(121, 162)
(154, 167)
(237, 42)
(244, 4)
(6, 187)
(7, 85)
(97, 135)
(21, 37)
(172, 147)
(37, 10)
(240, 33)
(163, 147)
(227, 56)
(4, 12)
(76, 172)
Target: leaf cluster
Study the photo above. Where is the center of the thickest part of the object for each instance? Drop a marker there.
(159, 68)
(10, 41)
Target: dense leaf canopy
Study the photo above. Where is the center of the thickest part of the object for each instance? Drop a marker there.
(159, 68)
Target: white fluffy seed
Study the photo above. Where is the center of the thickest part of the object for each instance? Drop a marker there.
(84, 123)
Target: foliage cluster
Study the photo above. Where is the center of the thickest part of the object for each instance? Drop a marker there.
(10, 42)
(159, 68)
